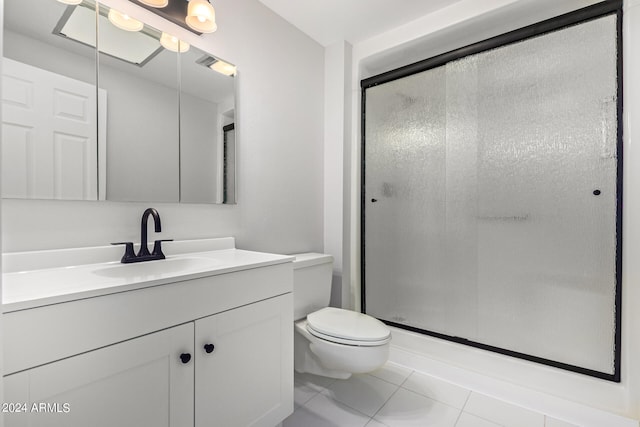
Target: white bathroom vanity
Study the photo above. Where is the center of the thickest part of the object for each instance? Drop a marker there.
(201, 338)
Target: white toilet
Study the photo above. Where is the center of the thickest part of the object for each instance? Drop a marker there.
(331, 341)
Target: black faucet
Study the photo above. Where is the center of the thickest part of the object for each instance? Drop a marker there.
(144, 250)
(143, 254)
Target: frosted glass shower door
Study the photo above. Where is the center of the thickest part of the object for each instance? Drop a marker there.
(490, 198)
(406, 211)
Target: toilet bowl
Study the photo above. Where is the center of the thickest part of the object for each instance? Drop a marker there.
(331, 341)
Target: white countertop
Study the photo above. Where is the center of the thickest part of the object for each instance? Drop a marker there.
(45, 286)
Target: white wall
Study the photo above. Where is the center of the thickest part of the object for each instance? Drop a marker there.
(1, 247)
(461, 24)
(280, 150)
(142, 135)
(201, 135)
(337, 67)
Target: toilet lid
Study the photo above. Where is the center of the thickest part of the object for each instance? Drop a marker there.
(347, 326)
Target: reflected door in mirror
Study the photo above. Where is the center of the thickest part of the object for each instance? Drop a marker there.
(49, 129)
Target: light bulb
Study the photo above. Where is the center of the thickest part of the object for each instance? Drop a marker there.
(223, 68)
(201, 16)
(124, 22)
(173, 44)
(155, 3)
(73, 2)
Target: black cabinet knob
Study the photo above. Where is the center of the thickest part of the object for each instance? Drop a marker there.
(185, 358)
(209, 348)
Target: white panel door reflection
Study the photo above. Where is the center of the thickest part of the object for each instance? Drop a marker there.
(49, 139)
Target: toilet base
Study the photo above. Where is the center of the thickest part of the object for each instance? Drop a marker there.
(320, 357)
(305, 361)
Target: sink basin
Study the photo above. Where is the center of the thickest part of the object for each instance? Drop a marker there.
(42, 278)
(164, 267)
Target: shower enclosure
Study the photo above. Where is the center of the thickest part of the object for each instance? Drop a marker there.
(491, 197)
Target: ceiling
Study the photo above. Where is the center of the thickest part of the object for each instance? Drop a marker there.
(330, 21)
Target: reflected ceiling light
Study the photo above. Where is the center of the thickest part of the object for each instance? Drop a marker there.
(70, 1)
(133, 47)
(201, 16)
(217, 65)
(223, 68)
(155, 3)
(124, 22)
(173, 44)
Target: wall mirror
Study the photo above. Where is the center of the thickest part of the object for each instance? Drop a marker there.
(155, 127)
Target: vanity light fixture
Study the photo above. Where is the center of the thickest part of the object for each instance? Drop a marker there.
(197, 16)
(155, 3)
(173, 44)
(124, 21)
(201, 16)
(70, 1)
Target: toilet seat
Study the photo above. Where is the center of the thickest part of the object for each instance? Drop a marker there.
(347, 327)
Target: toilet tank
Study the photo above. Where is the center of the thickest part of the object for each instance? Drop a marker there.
(312, 273)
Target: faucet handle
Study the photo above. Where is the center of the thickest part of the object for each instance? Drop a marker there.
(128, 251)
(157, 248)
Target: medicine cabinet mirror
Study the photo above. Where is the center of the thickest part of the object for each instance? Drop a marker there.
(136, 122)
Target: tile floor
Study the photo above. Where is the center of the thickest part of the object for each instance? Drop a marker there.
(396, 396)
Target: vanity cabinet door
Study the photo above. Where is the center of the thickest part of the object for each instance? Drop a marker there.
(141, 382)
(244, 365)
